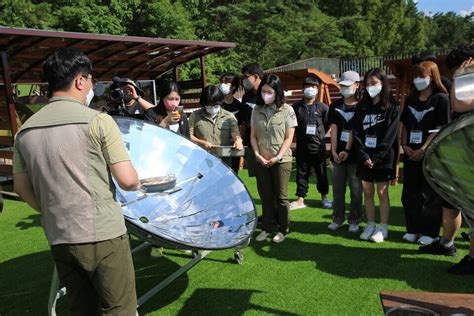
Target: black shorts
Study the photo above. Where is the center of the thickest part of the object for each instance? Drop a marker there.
(375, 175)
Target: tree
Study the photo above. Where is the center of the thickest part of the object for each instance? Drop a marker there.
(24, 13)
(451, 30)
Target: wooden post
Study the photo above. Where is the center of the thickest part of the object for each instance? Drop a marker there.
(9, 93)
(176, 73)
(203, 71)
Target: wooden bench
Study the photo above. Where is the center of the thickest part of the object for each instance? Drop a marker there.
(440, 303)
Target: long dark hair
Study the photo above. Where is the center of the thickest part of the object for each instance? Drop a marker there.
(166, 87)
(275, 83)
(386, 97)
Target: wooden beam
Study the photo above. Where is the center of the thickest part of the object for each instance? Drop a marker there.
(9, 94)
(203, 71)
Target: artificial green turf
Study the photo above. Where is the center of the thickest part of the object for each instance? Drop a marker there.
(315, 271)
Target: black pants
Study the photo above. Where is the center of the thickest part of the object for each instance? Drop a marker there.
(235, 164)
(304, 162)
(423, 212)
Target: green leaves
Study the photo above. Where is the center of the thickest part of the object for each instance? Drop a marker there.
(272, 33)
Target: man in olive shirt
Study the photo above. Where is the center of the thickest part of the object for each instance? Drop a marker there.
(61, 162)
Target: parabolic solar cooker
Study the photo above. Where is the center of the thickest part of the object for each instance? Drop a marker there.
(189, 198)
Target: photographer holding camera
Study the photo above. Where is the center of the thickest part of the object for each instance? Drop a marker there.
(125, 99)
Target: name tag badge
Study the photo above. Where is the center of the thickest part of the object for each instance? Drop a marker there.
(371, 141)
(345, 136)
(416, 137)
(311, 130)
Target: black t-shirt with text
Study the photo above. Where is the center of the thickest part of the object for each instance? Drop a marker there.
(135, 110)
(375, 131)
(342, 115)
(419, 117)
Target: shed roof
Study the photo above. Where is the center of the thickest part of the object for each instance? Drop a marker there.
(138, 58)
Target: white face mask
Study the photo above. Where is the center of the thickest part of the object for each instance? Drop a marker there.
(374, 90)
(347, 92)
(89, 97)
(421, 83)
(213, 110)
(225, 88)
(268, 98)
(310, 93)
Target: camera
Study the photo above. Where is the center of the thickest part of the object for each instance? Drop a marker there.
(120, 95)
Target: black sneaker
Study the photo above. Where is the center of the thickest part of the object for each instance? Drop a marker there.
(465, 266)
(436, 248)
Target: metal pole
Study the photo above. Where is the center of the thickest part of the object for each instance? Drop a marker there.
(145, 297)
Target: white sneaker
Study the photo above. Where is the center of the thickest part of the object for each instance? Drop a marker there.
(334, 226)
(296, 206)
(262, 236)
(380, 235)
(425, 240)
(409, 237)
(327, 203)
(369, 230)
(278, 238)
(353, 228)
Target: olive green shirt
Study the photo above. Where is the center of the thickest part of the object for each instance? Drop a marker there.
(65, 149)
(270, 124)
(217, 131)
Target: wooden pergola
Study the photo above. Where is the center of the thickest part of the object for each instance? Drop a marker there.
(293, 80)
(23, 52)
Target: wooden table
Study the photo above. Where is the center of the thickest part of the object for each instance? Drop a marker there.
(441, 303)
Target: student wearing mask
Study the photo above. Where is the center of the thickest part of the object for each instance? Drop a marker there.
(251, 77)
(375, 132)
(343, 155)
(229, 84)
(458, 60)
(429, 55)
(166, 113)
(426, 108)
(311, 143)
(213, 126)
(273, 125)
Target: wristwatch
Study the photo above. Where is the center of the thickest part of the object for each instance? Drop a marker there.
(138, 98)
(279, 158)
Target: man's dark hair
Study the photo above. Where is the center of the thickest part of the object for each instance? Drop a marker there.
(232, 78)
(425, 55)
(311, 80)
(63, 66)
(211, 95)
(275, 83)
(458, 55)
(253, 69)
